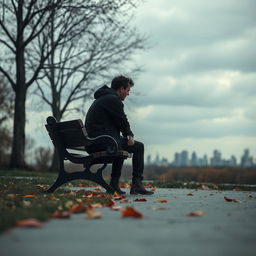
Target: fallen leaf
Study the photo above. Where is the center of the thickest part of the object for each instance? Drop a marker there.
(161, 200)
(96, 190)
(125, 185)
(196, 214)
(153, 189)
(80, 185)
(237, 189)
(110, 203)
(27, 196)
(204, 187)
(116, 196)
(77, 208)
(160, 208)
(189, 194)
(124, 201)
(54, 198)
(60, 215)
(29, 223)
(231, 200)
(42, 186)
(97, 205)
(92, 214)
(130, 212)
(140, 200)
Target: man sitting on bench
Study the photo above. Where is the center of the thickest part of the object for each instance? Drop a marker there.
(106, 116)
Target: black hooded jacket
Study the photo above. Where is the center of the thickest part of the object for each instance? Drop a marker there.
(106, 115)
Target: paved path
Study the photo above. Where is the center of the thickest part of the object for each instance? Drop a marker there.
(226, 228)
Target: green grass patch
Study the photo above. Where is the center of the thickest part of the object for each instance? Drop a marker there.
(23, 198)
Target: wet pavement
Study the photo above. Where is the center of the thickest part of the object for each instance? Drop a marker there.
(225, 228)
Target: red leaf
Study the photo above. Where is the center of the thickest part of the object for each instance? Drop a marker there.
(189, 194)
(130, 212)
(140, 200)
(60, 215)
(196, 214)
(161, 200)
(231, 200)
(29, 223)
(110, 203)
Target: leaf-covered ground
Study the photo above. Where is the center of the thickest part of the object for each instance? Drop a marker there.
(25, 202)
(25, 198)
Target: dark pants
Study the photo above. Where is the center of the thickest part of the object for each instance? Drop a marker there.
(137, 159)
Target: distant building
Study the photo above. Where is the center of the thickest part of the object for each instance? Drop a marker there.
(177, 159)
(216, 159)
(184, 160)
(246, 159)
(194, 159)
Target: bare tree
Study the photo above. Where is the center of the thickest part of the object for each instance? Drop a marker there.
(21, 22)
(101, 41)
(6, 106)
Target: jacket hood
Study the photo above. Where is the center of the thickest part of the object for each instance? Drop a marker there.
(104, 90)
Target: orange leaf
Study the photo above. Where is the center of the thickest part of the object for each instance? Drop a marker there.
(27, 196)
(61, 215)
(130, 212)
(161, 200)
(92, 214)
(189, 194)
(196, 214)
(231, 200)
(140, 200)
(29, 223)
(77, 208)
(116, 196)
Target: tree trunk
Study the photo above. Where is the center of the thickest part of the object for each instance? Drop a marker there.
(18, 145)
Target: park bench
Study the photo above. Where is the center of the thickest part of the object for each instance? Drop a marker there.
(71, 140)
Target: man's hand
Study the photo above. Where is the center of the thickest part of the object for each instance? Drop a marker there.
(130, 141)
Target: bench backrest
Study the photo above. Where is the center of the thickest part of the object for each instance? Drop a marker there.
(68, 134)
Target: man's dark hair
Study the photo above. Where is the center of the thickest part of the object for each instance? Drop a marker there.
(121, 81)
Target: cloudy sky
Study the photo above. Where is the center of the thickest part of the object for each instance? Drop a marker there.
(198, 90)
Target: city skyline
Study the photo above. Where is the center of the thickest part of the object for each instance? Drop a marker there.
(185, 158)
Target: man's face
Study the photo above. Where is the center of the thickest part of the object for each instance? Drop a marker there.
(124, 92)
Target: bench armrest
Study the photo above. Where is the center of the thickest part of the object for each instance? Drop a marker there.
(109, 150)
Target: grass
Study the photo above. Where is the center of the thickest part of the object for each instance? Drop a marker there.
(23, 195)
(25, 198)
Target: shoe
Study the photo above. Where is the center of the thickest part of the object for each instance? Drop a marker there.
(114, 183)
(138, 188)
